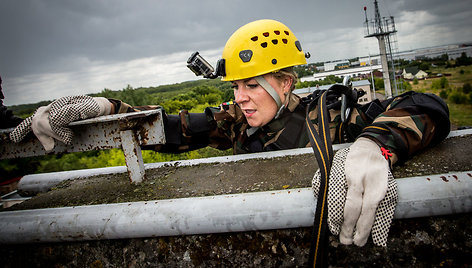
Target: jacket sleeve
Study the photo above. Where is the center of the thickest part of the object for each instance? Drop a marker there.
(410, 123)
(190, 131)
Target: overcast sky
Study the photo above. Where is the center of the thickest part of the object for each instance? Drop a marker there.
(54, 48)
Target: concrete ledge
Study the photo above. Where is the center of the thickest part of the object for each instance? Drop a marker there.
(421, 242)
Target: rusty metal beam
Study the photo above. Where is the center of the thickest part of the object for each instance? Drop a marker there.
(127, 131)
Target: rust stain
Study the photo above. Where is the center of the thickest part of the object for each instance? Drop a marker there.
(444, 178)
(129, 175)
(470, 175)
(428, 179)
(455, 177)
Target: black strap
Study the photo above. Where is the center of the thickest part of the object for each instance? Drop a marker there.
(323, 149)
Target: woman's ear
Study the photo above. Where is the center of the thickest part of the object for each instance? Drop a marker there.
(287, 84)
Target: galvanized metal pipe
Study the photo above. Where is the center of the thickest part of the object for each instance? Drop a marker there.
(42, 182)
(418, 196)
(37, 183)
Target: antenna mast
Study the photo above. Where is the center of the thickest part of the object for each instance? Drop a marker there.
(384, 30)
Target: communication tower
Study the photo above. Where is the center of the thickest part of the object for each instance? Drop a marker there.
(384, 30)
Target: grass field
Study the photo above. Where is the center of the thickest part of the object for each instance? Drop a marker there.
(460, 114)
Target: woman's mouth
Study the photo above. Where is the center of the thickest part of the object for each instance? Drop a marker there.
(249, 112)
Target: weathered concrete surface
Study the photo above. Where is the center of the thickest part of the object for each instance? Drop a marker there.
(432, 242)
(425, 242)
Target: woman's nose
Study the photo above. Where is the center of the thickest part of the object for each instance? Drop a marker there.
(240, 95)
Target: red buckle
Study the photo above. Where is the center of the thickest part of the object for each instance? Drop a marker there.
(386, 153)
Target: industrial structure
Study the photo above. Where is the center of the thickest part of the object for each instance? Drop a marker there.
(384, 30)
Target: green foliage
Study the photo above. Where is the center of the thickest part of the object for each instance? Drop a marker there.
(174, 106)
(460, 114)
(12, 168)
(407, 86)
(107, 158)
(330, 79)
(424, 66)
(208, 95)
(26, 110)
(467, 88)
(415, 81)
(305, 70)
(458, 97)
(440, 83)
(463, 60)
(379, 83)
(443, 82)
(443, 94)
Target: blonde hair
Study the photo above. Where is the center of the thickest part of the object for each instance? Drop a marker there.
(290, 72)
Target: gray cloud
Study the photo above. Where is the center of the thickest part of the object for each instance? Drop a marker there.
(52, 48)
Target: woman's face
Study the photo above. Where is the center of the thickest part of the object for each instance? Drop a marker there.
(258, 106)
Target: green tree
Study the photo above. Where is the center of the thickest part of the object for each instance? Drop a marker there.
(379, 84)
(425, 66)
(443, 94)
(458, 97)
(463, 60)
(440, 83)
(443, 82)
(466, 88)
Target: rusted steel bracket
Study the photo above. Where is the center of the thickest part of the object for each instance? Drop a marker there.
(128, 131)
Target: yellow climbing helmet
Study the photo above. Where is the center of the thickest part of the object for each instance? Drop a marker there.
(261, 47)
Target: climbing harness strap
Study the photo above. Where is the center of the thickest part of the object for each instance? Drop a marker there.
(322, 147)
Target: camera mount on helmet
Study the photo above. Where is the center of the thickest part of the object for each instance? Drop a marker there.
(197, 64)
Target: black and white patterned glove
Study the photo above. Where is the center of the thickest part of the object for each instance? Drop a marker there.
(50, 122)
(362, 194)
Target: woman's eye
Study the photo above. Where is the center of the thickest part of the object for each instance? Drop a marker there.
(234, 87)
(252, 85)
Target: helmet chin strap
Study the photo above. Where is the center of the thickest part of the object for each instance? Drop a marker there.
(264, 84)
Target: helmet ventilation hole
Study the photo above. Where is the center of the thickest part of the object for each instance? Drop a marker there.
(254, 38)
(285, 41)
(286, 33)
(264, 45)
(266, 34)
(275, 41)
(277, 32)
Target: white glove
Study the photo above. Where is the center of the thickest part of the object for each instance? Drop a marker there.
(361, 194)
(49, 122)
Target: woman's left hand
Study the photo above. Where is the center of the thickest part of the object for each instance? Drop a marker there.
(362, 194)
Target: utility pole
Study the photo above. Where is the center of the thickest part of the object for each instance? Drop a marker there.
(382, 28)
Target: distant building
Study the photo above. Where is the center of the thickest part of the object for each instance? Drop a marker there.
(453, 51)
(411, 73)
(363, 85)
(333, 65)
(366, 61)
(353, 72)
